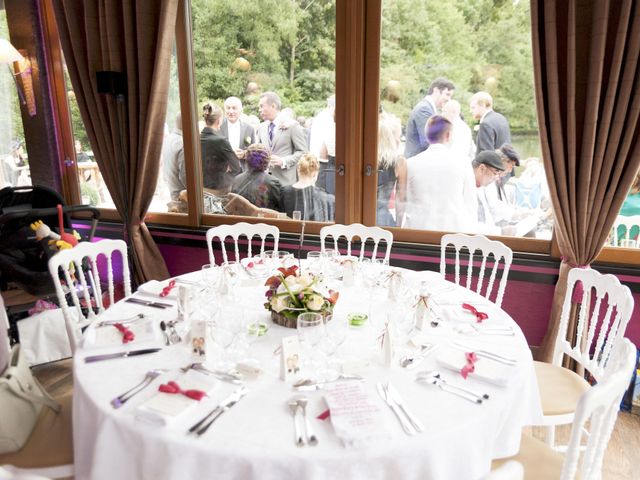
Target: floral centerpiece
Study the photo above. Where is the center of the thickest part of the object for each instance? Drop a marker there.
(292, 292)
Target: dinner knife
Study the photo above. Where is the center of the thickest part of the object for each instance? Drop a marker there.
(395, 396)
(128, 353)
(148, 303)
(209, 418)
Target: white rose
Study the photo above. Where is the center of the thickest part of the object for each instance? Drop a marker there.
(305, 279)
(293, 284)
(315, 302)
(279, 303)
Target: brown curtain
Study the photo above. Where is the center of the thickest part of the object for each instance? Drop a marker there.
(125, 131)
(587, 78)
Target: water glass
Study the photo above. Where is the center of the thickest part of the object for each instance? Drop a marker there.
(296, 215)
(311, 333)
(210, 276)
(315, 262)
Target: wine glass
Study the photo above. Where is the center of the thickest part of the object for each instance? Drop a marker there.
(311, 333)
(336, 333)
(231, 276)
(210, 276)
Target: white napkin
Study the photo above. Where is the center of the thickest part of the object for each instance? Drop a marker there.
(163, 408)
(486, 369)
(356, 416)
(109, 336)
(256, 267)
(155, 287)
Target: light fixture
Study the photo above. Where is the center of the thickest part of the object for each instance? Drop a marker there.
(21, 68)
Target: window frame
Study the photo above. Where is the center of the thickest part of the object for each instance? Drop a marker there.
(358, 38)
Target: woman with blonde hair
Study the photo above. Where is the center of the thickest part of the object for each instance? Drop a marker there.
(389, 163)
(313, 203)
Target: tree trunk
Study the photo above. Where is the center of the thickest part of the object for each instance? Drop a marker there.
(292, 65)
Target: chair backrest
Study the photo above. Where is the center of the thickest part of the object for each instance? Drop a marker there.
(376, 234)
(248, 230)
(626, 231)
(595, 294)
(79, 269)
(599, 406)
(5, 348)
(488, 248)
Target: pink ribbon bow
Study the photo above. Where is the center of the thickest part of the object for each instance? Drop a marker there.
(174, 388)
(470, 367)
(167, 290)
(127, 335)
(480, 316)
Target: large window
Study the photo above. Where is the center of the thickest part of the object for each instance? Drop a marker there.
(14, 168)
(456, 79)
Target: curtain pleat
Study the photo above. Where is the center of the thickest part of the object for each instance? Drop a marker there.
(135, 38)
(587, 78)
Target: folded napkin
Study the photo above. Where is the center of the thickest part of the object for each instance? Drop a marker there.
(163, 408)
(143, 331)
(256, 267)
(356, 415)
(156, 289)
(484, 368)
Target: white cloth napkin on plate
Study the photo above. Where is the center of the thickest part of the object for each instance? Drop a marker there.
(155, 287)
(486, 369)
(163, 408)
(356, 416)
(144, 331)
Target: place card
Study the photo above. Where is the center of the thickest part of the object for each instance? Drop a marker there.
(289, 357)
(199, 343)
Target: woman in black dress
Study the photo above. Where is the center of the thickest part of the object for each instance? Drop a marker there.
(303, 196)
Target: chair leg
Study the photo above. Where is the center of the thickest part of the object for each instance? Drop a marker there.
(550, 437)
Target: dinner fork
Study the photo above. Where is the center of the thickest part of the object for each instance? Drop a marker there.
(126, 396)
(124, 321)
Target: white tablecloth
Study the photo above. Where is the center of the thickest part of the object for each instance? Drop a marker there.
(255, 438)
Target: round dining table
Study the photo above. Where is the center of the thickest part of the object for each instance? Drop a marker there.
(255, 438)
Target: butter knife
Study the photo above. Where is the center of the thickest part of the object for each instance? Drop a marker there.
(148, 303)
(129, 353)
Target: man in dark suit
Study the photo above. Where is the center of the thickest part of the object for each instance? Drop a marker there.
(239, 134)
(493, 131)
(284, 136)
(440, 92)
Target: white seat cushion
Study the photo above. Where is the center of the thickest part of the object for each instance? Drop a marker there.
(560, 388)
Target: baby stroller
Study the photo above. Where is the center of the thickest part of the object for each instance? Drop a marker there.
(23, 258)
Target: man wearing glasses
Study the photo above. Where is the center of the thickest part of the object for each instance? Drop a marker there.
(487, 168)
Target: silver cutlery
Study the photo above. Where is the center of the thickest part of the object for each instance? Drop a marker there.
(395, 396)
(309, 385)
(163, 327)
(413, 360)
(203, 425)
(171, 335)
(311, 438)
(435, 378)
(404, 422)
(478, 330)
(230, 377)
(294, 406)
(124, 321)
(148, 303)
(487, 354)
(126, 396)
(128, 353)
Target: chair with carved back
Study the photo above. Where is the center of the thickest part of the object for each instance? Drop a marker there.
(598, 409)
(357, 230)
(81, 296)
(241, 229)
(495, 256)
(626, 231)
(604, 307)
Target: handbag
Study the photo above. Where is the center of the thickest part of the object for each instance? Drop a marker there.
(21, 400)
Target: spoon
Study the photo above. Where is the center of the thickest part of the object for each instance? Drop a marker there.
(411, 361)
(294, 406)
(311, 438)
(163, 327)
(435, 378)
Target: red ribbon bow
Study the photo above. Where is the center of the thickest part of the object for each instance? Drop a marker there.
(167, 290)
(127, 335)
(470, 367)
(174, 388)
(480, 316)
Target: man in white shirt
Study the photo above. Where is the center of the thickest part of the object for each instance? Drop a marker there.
(436, 190)
(239, 134)
(487, 168)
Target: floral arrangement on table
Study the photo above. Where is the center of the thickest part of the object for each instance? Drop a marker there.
(292, 292)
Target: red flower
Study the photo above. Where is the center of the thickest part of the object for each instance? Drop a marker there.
(333, 296)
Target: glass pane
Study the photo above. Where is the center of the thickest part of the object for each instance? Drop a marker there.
(626, 229)
(15, 163)
(170, 194)
(463, 70)
(265, 88)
